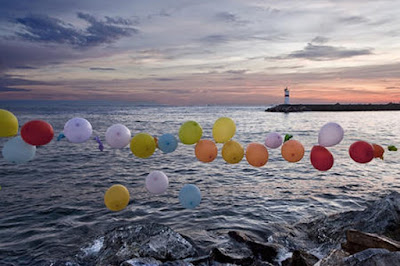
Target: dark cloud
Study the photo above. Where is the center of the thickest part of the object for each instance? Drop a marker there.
(9, 89)
(392, 88)
(102, 69)
(320, 40)
(216, 39)
(166, 79)
(42, 28)
(353, 20)
(324, 53)
(239, 71)
(229, 18)
(25, 67)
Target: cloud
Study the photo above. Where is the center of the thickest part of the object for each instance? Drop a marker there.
(102, 69)
(320, 40)
(353, 20)
(43, 28)
(324, 53)
(9, 89)
(238, 71)
(392, 88)
(230, 18)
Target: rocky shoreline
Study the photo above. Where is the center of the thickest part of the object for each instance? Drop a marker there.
(289, 108)
(367, 237)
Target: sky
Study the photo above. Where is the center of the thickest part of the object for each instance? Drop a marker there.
(178, 52)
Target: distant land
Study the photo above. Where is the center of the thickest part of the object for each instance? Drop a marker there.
(289, 108)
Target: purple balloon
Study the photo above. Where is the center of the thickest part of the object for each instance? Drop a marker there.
(273, 140)
(156, 182)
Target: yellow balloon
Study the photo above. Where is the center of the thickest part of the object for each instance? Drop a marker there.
(232, 152)
(143, 145)
(8, 124)
(190, 132)
(223, 130)
(116, 198)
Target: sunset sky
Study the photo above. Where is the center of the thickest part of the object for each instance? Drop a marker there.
(201, 52)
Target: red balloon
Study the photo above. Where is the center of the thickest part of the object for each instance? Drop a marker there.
(37, 132)
(361, 152)
(321, 158)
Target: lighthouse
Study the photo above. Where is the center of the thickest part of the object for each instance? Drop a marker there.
(287, 96)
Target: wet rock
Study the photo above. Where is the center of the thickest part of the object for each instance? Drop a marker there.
(373, 257)
(262, 251)
(300, 258)
(141, 262)
(358, 241)
(144, 240)
(233, 253)
(335, 258)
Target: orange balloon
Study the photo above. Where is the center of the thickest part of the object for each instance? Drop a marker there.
(206, 150)
(292, 151)
(256, 154)
(378, 151)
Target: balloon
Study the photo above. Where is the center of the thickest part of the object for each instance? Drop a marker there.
(321, 158)
(206, 151)
(8, 124)
(292, 151)
(392, 148)
(287, 137)
(232, 152)
(116, 198)
(378, 151)
(143, 145)
(256, 154)
(156, 182)
(361, 152)
(330, 134)
(118, 136)
(223, 130)
(273, 140)
(77, 130)
(190, 196)
(37, 132)
(18, 151)
(97, 139)
(167, 143)
(190, 132)
(60, 136)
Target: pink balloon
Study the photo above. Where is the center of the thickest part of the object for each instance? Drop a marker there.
(157, 182)
(273, 140)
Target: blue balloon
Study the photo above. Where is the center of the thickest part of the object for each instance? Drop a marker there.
(16, 150)
(190, 196)
(167, 143)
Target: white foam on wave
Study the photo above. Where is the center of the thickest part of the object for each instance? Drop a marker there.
(93, 248)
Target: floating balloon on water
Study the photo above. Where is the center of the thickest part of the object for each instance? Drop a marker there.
(321, 158)
(292, 151)
(37, 132)
(167, 143)
(190, 196)
(143, 145)
(256, 154)
(223, 130)
(190, 132)
(378, 151)
(118, 136)
(97, 139)
(116, 198)
(156, 182)
(8, 124)
(273, 140)
(206, 151)
(330, 134)
(77, 130)
(392, 148)
(232, 152)
(361, 151)
(60, 136)
(18, 151)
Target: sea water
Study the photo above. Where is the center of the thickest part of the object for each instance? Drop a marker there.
(52, 207)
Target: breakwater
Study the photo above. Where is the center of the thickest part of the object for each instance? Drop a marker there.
(288, 108)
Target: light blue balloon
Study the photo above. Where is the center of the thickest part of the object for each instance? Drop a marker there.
(167, 143)
(190, 196)
(18, 151)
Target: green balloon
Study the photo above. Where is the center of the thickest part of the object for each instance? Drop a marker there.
(392, 148)
(287, 137)
(190, 132)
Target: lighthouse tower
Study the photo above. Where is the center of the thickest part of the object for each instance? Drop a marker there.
(287, 96)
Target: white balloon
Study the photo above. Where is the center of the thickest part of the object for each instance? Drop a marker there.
(156, 182)
(16, 150)
(330, 134)
(118, 136)
(273, 140)
(77, 130)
